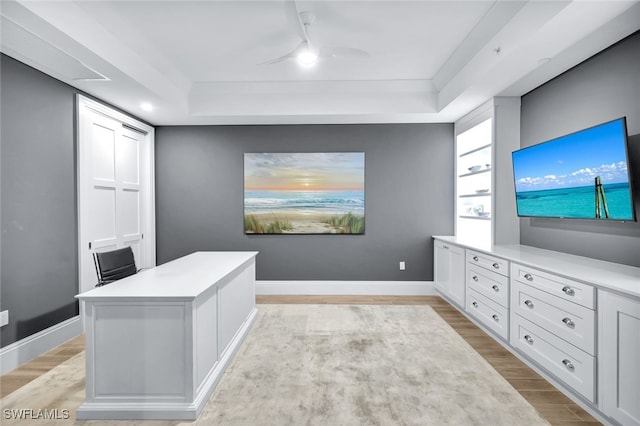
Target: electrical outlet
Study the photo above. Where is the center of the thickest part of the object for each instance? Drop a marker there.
(402, 265)
(4, 318)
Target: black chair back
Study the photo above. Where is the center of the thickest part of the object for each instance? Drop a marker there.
(114, 265)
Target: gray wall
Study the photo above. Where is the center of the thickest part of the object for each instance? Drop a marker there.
(605, 87)
(38, 215)
(409, 197)
(39, 237)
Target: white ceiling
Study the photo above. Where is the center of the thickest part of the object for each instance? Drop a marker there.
(199, 62)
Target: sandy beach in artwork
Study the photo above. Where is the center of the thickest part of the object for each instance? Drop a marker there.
(303, 223)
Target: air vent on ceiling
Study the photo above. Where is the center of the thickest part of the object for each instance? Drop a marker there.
(22, 44)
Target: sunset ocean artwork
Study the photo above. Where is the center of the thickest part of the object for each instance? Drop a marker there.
(304, 193)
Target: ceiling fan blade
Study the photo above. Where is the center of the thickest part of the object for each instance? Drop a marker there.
(343, 52)
(280, 59)
(291, 55)
(293, 17)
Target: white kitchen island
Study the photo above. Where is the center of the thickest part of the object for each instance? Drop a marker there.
(158, 342)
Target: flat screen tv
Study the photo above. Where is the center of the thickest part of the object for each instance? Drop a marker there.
(583, 175)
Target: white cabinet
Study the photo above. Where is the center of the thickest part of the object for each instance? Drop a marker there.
(574, 367)
(490, 314)
(449, 271)
(564, 288)
(619, 330)
(488, 291)
(490, 263)
(569, 321)
(574, 319)
(553, 323)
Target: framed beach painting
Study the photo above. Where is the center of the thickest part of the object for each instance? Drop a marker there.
(304, 193)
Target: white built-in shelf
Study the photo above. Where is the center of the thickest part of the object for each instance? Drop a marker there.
(475, 150)
(475, 217)
(488, 169)
(479, 194)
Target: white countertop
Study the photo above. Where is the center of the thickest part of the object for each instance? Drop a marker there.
(608, 275)
(181, 279)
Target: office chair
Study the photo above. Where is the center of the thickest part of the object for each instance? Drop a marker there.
(114, 265)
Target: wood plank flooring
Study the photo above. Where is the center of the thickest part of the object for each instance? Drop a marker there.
(29, 371)
(551, 403)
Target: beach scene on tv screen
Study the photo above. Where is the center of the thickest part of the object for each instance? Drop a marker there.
(582, 175)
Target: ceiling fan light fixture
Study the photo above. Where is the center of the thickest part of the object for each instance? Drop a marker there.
(307, 56)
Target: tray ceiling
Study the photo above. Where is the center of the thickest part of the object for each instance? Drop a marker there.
(202, 62)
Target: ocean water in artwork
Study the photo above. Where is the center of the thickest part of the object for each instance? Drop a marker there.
(335, 202)
(577, 202)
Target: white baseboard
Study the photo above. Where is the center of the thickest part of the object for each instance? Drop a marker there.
(17, 353)
(359, 288)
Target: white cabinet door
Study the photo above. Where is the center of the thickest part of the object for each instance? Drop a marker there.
(115, 185)
(620, 357)
(457, 287)
(441, 266)
(449, 269)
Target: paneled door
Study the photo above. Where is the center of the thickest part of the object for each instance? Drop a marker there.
(619, 355)
(115, 177)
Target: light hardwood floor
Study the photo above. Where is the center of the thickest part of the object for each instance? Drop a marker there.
(551, 403)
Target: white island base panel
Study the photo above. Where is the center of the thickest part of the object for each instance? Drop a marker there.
(158, 355)
(168, 410)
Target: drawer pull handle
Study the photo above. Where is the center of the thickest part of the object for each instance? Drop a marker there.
(496, 265)
(529, 339)
(528, 277)
(568, 364)
(568, 290)
(495, 318)
(569, 322)
(495, 288)
(475, 304)
(475, 278)
(529, 303)
(445, 247)
(475, 258)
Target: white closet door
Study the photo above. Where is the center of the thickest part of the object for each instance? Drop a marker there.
(114, 190)
(129, 210)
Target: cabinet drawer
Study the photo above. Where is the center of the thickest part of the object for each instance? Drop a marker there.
(489, 284)
(488, 262)
(492, 315)
(574, 291)
(574, 323)
(572, 366)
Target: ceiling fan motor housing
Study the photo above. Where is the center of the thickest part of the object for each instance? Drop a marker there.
(307, 18)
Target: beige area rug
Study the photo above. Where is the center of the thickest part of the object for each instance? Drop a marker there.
(331, 365)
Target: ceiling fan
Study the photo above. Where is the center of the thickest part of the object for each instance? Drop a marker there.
(307, 53)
